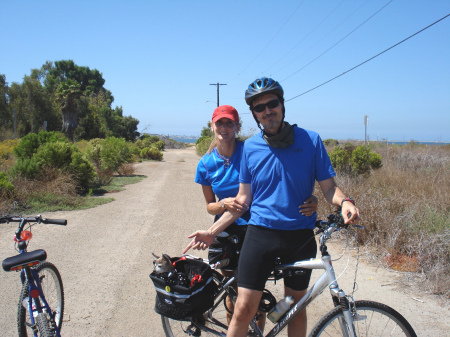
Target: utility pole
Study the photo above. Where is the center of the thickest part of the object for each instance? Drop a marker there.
(366, 122)
(15, 124)
(217, 91)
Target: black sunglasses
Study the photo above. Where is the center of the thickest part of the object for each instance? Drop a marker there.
(270, 105)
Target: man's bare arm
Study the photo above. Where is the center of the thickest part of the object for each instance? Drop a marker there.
(335, 196)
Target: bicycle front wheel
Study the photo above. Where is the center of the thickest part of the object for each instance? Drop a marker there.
(371, 319)
(52, 287)
(217, 322)
(43, 326)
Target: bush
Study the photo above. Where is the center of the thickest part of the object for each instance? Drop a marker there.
(159, 145)
(6, 187)
(331, 142)
(358, 160)
(363, 159)
(29, 168)
(29, 144)
(7, 153)
(202, 145)
(63, 156)
(151, 153)
(340, 159)
(114, 152)
(110, 153)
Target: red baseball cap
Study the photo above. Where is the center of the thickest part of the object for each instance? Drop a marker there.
(225, 111)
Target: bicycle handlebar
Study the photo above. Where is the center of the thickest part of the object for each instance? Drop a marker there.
(38, 219)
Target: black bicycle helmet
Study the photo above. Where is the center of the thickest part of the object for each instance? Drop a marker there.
(263, 86)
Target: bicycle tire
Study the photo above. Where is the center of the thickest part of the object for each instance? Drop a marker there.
(53, 290)
(175, 328)
(43, 326)
(381, 320)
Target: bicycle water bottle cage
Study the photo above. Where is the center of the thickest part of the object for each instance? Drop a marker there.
(28, 259)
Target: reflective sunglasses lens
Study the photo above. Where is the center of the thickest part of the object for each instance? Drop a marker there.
(270, 105)
(273, 104)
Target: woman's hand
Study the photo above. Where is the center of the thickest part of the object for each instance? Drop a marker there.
(200, 240)
(309, 207)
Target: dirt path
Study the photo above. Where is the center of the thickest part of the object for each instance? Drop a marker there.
(104, 256)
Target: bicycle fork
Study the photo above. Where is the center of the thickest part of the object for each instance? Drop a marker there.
(35, 296)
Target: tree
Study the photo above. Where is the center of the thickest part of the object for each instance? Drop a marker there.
(68, 94)
(5, 118)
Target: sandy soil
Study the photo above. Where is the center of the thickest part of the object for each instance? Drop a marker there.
(104, 257)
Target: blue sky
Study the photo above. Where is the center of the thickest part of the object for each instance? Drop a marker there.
(159, 58)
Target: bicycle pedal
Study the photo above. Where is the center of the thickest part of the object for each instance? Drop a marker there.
(192, 330)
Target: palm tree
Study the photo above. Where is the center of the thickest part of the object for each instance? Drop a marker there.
(68, 94)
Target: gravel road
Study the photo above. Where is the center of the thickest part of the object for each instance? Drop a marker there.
(104, 257)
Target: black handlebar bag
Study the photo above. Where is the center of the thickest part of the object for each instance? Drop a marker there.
(185, 293)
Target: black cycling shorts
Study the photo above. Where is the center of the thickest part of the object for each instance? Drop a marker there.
(228, 247)
(261, 248)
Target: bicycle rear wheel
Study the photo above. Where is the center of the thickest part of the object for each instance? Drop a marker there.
(52, 287)
(371, 319)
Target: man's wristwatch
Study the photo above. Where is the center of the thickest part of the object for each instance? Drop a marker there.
(223, 203)
(348, 199)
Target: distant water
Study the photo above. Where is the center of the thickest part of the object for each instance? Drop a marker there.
(417, 142)
(184, 140)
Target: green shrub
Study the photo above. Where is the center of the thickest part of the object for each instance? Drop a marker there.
(363, 159)
(7, 157)
(358, 160)
(202, 145)
(6, 187)
(110, 153)
(29, 144)
(159, 145)
(151, 153)
(114, 152)
(66, 157)
(340, 159)
(331, 142)
(93, 150)
(63, 156)
(375, 160)
(27, 167)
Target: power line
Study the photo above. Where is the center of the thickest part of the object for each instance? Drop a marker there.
(307, 35)
(273, 38)
(345, 72)
(326, 51)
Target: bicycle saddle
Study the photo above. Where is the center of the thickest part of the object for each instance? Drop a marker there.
(24, 259)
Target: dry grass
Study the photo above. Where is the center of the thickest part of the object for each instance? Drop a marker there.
(405, 207)
(54, 186)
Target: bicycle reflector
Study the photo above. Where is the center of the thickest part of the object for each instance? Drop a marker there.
(31, 264)
(24, 236)
(34, 293)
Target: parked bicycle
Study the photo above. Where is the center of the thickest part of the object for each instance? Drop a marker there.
(348, 318)
(41, 301)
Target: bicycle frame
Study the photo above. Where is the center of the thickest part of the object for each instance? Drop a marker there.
(327, 279)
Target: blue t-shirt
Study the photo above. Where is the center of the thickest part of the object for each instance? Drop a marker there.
(222, 174)
(282, 179)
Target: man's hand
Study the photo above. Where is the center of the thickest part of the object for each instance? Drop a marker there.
(309, 206)
(201, 240)
(348, 207)
(234, 206)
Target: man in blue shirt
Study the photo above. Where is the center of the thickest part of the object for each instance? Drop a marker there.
(279, 167)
